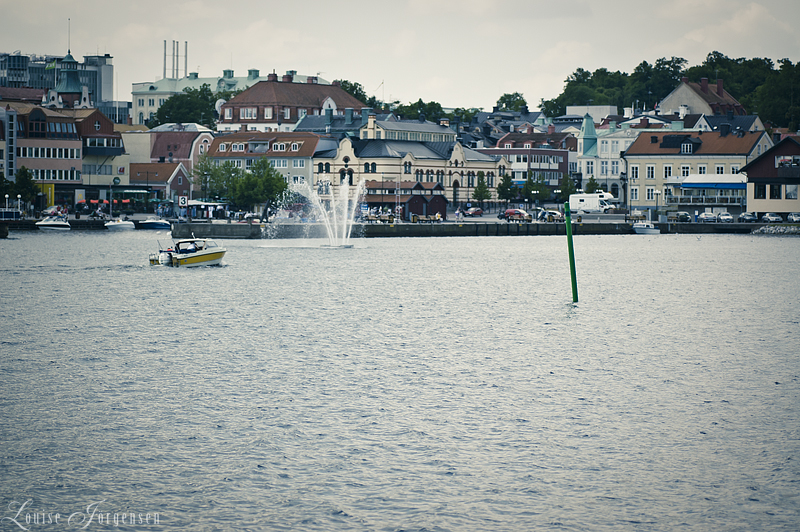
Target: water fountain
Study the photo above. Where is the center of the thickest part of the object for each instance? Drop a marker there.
(336, 214)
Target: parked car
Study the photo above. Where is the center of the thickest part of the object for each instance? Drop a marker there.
(516, 215)
(748, 217)
(725, 217)
(683, 216)
(707, 217)
(555, 215)
(793, 217)
(772, 217)
(473, 211)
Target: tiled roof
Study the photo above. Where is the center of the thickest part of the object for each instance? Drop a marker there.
(142, 173)
(709, 143)
(307, 141)
(21, 94)
(294, 95)
(711, 96)
(179, 143)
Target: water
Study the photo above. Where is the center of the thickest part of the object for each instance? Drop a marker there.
(404, 384)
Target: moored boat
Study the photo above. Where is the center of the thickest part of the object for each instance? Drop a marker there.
(54, 222)
(646, 228)
(189, 253)
(154, 223)
(120, 225)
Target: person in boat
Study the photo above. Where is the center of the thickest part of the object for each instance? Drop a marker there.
(191, 248)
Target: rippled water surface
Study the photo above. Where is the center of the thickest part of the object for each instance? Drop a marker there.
(405, 384)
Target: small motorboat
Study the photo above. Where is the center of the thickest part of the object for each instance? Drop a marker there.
(646, 228)
(58, 222)
(189, 252)
(153, 222)
(120, 225)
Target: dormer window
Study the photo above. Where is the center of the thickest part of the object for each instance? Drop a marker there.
(686, 147)
(279, 146)
(527, 144)
(295, 146)
(223, 147)
(508, 145)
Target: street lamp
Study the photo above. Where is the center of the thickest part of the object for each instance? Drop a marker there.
(6, 201)
(656, 193)
(19, 204)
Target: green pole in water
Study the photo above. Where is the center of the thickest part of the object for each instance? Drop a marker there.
(568, 219)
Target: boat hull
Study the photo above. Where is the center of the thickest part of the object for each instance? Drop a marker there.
(120, 226)
(646, 229)
(54, 224)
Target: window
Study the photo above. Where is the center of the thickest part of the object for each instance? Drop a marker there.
(268, 113)
(760, 191)
(701, 169)
(634, 171)
(228, 113)
(374, 167)
(151, 102)
(734, 168)
(320, 168)
(406, 168)
(634, 193)
(651, 172)
(180, 179)
(685, 169)
(650, 193)
(508, 145)
(719, 169)
(141, 102)
(280, 163)
(603, 146)
(791, 192)
(686, 147)
(603, 167)
(327, 168)
(774, 192)
(223, 147)
(298, 163)
(667, 171)
(248, 113)
(614, 167)
(589, 168)
(287, 113)
(301, 113)
(615, 146)
(96, 125)
(279, 146)
(295, 146)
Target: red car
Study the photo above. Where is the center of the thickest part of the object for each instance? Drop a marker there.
(515, 215)
(473, 211)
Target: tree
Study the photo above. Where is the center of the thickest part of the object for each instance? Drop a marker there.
(511, 102)
(432, 110)
(506, 191)
(263, 184)
(535, 188)
(202, 172)
(592, 186)
(481, 192)
(567, 188)
(354, 89)
(191, 106)
(25, 186)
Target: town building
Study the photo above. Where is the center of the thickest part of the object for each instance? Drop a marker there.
(700, 98)
(8, 141)
(291, 153)
(159, 182)
(773, 179)
(279, 105)
(658, 161)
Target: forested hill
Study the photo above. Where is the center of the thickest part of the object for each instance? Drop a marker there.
(771, 91)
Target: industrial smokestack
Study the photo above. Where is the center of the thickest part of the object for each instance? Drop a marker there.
(165, 59)
(185, 58)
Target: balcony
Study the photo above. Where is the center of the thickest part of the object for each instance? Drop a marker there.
(704, 200)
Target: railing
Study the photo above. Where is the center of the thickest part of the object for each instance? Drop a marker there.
(704, 200)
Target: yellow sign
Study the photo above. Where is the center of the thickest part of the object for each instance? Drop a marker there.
(49, 191)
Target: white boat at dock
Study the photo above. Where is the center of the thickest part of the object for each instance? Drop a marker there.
(54, 222)
(120, 225)
(646, 228)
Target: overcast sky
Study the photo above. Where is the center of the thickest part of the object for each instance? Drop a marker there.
(460, 53)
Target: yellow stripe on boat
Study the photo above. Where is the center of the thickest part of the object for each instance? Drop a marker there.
(200, 259)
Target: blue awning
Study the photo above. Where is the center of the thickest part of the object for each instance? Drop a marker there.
(727, 186)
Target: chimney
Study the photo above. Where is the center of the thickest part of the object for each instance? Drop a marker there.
(704, 85)
(444, 121)
(328, 116)
(312, 80)
(730, 114)
(612, 125)
(272, 77)
(348, 115)
(287, 78)
(524, 110)
(495, 109)
(336, 83)
(551, 128)
(724, 129)
(720, 92)
(644, 122)
(244, 127)
(684, 79)
(365, 112)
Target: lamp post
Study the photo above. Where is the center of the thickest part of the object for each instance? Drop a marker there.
(656, 193)
(6, 201)
(19, 204)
